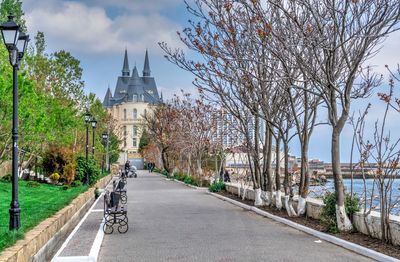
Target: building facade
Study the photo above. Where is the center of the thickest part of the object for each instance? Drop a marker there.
(133, 97)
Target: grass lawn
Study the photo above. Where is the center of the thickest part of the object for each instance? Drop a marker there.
(36, 203)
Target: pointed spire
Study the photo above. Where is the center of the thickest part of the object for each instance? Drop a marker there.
(146, 68)
(135, 73)
(108, 96)
(125, 69)
(161, 98)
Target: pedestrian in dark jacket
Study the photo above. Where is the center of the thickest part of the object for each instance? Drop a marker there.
(226, 176)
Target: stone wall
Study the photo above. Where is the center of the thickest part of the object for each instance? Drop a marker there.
(369, 225)
(5, 168)
(25, 249)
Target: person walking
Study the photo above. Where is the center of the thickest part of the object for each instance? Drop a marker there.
(127, 168)
(226, 176)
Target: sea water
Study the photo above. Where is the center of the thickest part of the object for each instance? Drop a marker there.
(359, 189)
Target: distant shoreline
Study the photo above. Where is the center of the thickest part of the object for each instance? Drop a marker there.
(355, 176)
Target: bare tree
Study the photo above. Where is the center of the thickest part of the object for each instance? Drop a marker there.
(342, 36)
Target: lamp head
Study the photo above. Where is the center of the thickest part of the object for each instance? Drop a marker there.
(94, 122)
(10, 32)
(22, 43)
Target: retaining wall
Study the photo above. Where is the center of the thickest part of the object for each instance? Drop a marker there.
(369, 225)
(24, 250)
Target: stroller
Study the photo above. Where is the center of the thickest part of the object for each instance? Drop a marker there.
(131, 172)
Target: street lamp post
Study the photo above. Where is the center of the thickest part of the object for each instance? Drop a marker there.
(94, 123)
(106, 142)
(88, 117)
(16, 43)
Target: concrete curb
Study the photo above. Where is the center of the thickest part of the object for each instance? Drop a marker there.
(329, 238)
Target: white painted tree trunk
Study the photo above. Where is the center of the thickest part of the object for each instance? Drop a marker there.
(278, 199)
(257, 197)
(244, 193)
(263, 197)
(289, 207)
(268, 198)
(301, 206)
(239, 187)
(343, 222)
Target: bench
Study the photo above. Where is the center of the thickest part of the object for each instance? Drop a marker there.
(120, 188)
(123, 175)
(115, 213)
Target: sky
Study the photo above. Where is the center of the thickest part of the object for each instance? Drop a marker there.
(98, 31)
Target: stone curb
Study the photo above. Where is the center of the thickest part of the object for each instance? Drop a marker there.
(37, 237)
(329, 238)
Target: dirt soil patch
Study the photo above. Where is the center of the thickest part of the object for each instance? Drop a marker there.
(354, 237)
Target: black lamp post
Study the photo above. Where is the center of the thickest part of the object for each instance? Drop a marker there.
(16, 43)
(106, 142)
(94, 123)
(88, 117)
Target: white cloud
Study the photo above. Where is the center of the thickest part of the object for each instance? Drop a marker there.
(388, 54)
(169, 92)
(87, 29)
(137, 5)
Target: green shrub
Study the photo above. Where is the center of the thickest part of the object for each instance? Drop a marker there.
(65, 187)
(54, 177)
(87, 169)
(328, 215)
(7, 178)
(76, 183)
(55, 158)
(217, 186)
(188, 180)
(179, 176)
(33, 184)
(69, 173)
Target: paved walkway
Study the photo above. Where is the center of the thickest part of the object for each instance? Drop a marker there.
(172, 222)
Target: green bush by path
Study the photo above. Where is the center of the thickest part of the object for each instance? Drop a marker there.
(217, 186)
(87, 169)
(328, 215)
(36, 203)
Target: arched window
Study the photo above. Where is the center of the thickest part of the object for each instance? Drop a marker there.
(124, 113)
(134, 114)
(134, 98)
(134, 131)
(134, 142)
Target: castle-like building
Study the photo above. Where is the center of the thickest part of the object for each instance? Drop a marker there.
(134, 96)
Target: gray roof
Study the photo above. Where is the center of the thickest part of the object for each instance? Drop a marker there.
(134, 88)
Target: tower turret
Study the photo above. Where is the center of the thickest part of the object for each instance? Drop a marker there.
(125, 68)
(146, 68)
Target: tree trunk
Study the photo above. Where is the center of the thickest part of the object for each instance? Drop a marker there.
(343, 222)
(287, 183)
(164, 158)
(304, 177)
(278, 193)
(268, 172)
(257, 198)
